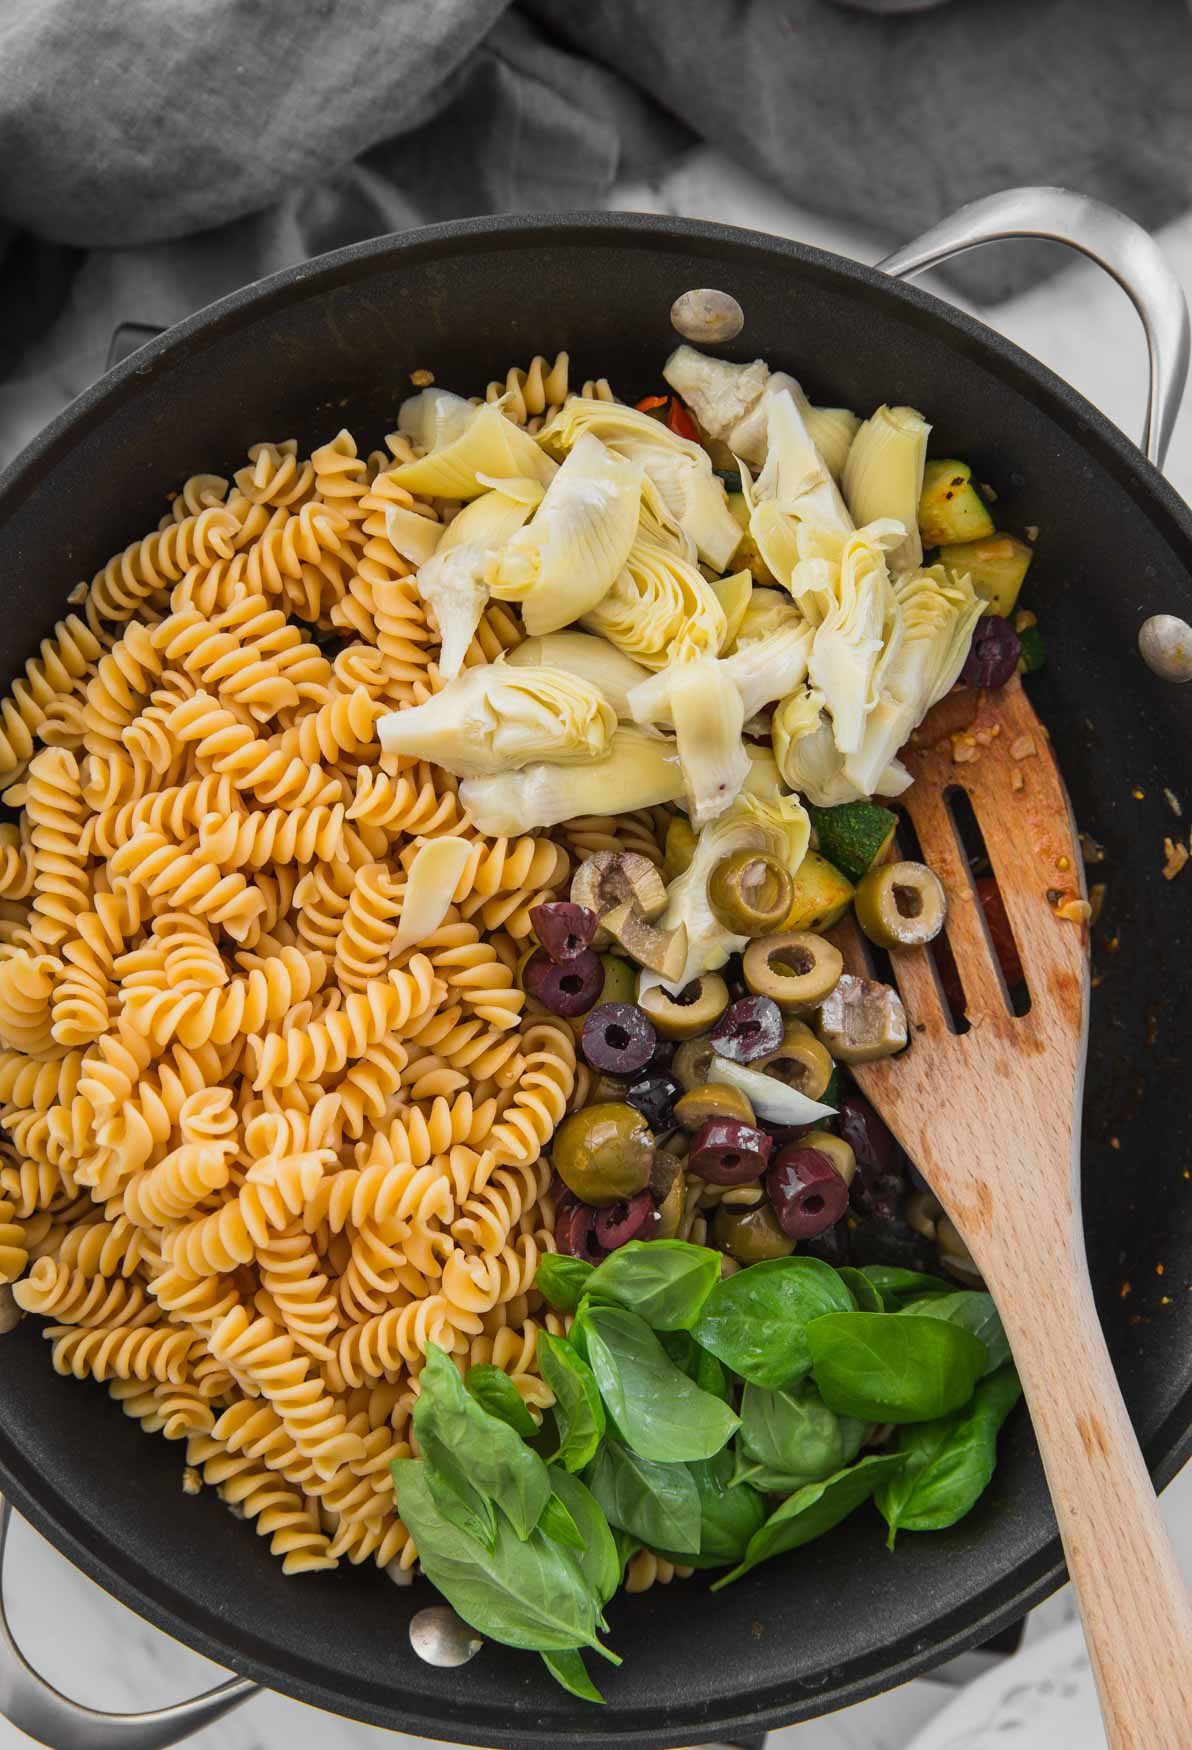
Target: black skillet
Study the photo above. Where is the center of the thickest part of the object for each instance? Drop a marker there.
(332, 343)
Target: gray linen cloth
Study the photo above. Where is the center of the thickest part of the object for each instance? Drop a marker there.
(154, 156)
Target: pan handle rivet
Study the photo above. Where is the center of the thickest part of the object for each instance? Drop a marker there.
(707, 316)
(1166, 646)
(439, 1637)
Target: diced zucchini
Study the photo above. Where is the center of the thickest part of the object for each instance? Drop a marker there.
(746, 552)
(997, 566)
(822, 895)
(681, 841)
(950, 507)
(855, 835)
(733, 594)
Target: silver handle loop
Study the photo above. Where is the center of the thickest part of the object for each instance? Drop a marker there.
(1126, 252)
(50, 1717)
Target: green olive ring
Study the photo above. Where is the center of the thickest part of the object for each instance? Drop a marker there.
(901, 905)
(696, 1008)
(801, 1061)
(750, 892)
(797, 969)
(713, 1100)
(750, 1235)
(691, 1065)
(604, 1153)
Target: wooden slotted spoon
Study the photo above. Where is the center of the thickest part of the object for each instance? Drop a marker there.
(991, 1118)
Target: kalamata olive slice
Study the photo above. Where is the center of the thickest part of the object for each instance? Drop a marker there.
(564, 930)
(618, 1038)
(869, 1139)
(748, 1029)
(654, 1095)
(832, 1246)
(619, 1223)
(727, 1152)
(565, 987)
(993, 654)
(807, 1192)
(575, 1232)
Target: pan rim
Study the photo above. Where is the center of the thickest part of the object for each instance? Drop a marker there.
(81, 1540)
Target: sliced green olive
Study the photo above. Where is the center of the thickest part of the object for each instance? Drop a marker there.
(901, 905)
(862, 1020)
(801, 1061)
(692, 1063)
(609, 879)
(604, 1153)
(620, 981)
(955, 1255)
(750, 892)
(662, 951)
(606, 1088)
(712, 1100)
(698, 1006)
(797, 969)
(835, 1148)
(750, 1235)
(670, 1210)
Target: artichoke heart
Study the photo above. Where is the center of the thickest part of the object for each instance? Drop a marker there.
(850, 640)
(569, 556)
(488, 445)
(495, 718)
(638, 771)
(759, 671)
(452, 579)
(884, 477)
(779, 827)
(411, 534)
(659, 609)
(795, 476)
(680, 469)
(729, 402)
(588, 658)
(806, 752)
(936, 613)
(706, 710)
(434, 418)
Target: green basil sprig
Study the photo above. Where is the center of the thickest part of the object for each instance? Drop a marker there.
(579, 1411)
(883, 1369)
(790, 1438)
(756, 1322)
(495, 1392)
(949, 1462)
(462, 1443)
(656, 1503)
(972, 1312)
(660, 1413)
(665, 1282)
(895, 1284)
(814, 1509)
(864, 1292)
(729, 1515)
(561, 1280)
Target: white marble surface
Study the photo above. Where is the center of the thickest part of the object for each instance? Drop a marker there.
(1082, 326)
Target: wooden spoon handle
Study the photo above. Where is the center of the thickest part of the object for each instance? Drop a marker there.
(1135, 1606)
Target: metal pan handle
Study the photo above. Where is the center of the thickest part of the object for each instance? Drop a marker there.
(1109, 238)
(36, 1707)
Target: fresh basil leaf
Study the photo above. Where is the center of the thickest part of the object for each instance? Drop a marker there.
(863, 1291)
(495, 1392)
(579, 1413)
(599, 1561)
(577, 1336)
(756, 1321)
(973, 1312)
(660, 1413)
(561, 1280)
(656, 1503)
(455, 1496)
(948, 1462)
(665, 1282)
(456, 1436)
(682, 1349)
(557, 1522)
(524, 1592)
(894, 1283)
(883, 1369)
(766, 1481)
(710, 1376)
(627, 1548)
(814, 1509)
(729, 1515)
(794, 1435)
(569, 1669)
